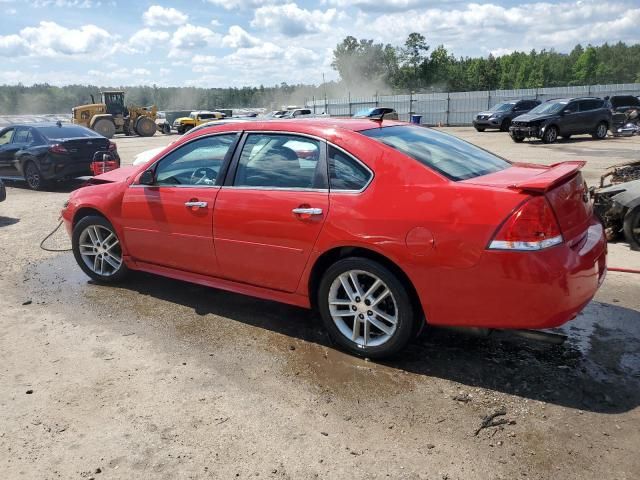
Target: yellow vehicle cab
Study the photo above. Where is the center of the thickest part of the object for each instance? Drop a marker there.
(183, 124)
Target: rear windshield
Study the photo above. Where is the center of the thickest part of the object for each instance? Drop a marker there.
(66, 131)
(452, 157)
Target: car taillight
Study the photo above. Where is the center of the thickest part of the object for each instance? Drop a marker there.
(57, 148)
(533, 226)
(112, 146)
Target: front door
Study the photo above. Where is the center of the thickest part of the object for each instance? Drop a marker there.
(7, 153)
(271, 210)
(169, 223)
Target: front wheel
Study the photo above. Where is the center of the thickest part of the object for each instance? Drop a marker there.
(601, 131)
(517, 138)
(97, 249)
(504, 126)
(631, 227)
(480, 129)
(550, 135)
(365, 307)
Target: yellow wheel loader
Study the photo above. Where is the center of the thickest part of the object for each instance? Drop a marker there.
(112, 116)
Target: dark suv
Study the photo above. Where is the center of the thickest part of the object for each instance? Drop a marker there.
(501, 114)
(562, 118)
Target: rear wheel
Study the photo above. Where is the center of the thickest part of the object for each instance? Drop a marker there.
(480, 129)
(550, 134)
(105, 127)
(504, 126)
(601, 131)
(631, 228)
(33, 176)
(366, 308)
(145, 127)
(97, 249)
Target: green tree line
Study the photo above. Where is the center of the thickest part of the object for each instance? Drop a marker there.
(416, 66)
(365, 68)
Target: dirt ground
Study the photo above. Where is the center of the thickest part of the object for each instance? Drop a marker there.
(159, 379)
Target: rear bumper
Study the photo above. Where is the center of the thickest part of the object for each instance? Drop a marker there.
(60, 170)
(520, 290)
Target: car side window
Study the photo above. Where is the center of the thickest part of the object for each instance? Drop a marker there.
(572, 107)
(23, 135)
(6, 136)
(196, 163)
(346, 173)
(278, 161)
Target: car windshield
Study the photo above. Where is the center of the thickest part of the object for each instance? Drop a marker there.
(549, 107)
(66, 131)
(452, 157)
(501, 107)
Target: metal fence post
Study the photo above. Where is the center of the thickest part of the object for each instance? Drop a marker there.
(314, 105)
(488, 99)
(349, 103)
(448, 108)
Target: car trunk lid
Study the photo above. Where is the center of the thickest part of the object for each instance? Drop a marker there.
(82, 150)
(562, 184)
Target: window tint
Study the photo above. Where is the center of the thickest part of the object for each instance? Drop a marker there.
(345, 173)
(196, 163)
(279, 161)
(66, 131)
(586, 105)
(452, 157)
(6, 137)
(23, 135)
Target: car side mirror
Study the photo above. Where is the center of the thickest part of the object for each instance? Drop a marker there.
(147, 178)
(566, 112)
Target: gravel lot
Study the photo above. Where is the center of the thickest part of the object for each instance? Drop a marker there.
(157, 378)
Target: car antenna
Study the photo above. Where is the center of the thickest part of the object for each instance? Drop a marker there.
(378, 118)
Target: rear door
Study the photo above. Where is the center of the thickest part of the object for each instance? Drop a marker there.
(271, 209)
(588, 115)
(170, 222)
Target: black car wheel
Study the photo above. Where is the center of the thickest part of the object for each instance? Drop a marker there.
(517, 138)
(631, 228)
(33, 177)
(480, 129)
(601, 131)
(366, 308)
(504, 126)
(550, 134)
(97, 249)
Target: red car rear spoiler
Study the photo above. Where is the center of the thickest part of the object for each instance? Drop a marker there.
(555, 174)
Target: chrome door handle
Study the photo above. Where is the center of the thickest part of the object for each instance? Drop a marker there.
(307, 211)
(196, 204)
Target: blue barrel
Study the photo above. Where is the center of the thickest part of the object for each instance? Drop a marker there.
(417, 119)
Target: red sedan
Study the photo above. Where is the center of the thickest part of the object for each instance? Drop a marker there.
(381, 226)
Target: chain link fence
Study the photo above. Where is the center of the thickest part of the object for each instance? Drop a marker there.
(457, 108)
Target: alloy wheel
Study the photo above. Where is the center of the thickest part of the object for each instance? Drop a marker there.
(552, 135)
(100, 250)
(601, 131)
(363, 308)
(32, 176)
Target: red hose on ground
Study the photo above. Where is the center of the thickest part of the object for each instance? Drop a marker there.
(623, 270)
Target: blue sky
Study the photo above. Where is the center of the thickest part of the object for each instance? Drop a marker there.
(219, 43)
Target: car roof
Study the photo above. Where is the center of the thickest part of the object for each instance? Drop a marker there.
(327, 127)
(43, 124)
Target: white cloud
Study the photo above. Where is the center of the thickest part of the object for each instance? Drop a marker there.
(239, 38)
(191, 37)
(210, 59)
(49, 39)
(145, 40)
(291, 20)
(244, 4)
(65, 3)
(161, 16)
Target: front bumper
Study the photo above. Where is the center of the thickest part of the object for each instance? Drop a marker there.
(487, 122)
(519, 290)
(521, 131)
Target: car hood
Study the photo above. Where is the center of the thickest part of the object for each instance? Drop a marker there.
(529, 117)
(184, 119)
(117, 175)
(488, 112)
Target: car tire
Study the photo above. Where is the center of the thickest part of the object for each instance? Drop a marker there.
(517, 138)
(504, 126)
(375, 335)
(631, 228)
(480, 129)
(550, 134)
(105, 127)
(601, 131)
(97, 249)
(33, 177)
